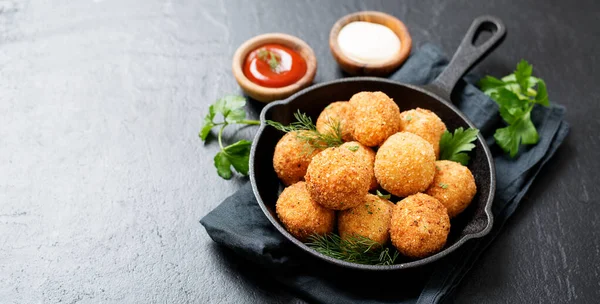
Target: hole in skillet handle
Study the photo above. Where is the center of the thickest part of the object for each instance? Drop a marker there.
(468, 54)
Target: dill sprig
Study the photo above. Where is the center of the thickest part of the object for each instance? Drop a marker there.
(356, 249)
(271, 58)
(303, 122)
(313, 137)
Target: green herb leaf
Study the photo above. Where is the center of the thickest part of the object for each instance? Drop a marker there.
(353, 148)
(506, 139)
(522, 74)
(516, 96)
(489, 84)
(542, 94)
(208, 123)
(239, 155)
(355, 249)
(453, 147)
(235, 115)
(507, 99)
(236, 155)
(273, 62)
(408, 118)
(223, 165)
(271, 58)
(443, 186)
(384, 196)
(312, 137)
(231, 107)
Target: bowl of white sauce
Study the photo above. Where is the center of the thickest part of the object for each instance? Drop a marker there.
(369, 43)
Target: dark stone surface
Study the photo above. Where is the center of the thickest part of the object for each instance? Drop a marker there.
(103, 178)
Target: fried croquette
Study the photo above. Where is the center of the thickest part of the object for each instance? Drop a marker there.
(425, 124)
(371, 219)
(405, 164)
(419, 226)
(292, 156)
(337, 179)
(364, 153)
(339, 112)
(376, 117)
(301, 215)
(453, 185)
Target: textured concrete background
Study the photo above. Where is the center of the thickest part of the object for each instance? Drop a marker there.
(103, 178)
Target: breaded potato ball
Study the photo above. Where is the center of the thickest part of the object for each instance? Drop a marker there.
(301, 215)
(425, 124)
(292, 156)
(370, 219)
(364, 153)
(337, 112)
(453, 185)
(376, 117)
(338, 179)
(419, 226)
(405, 164)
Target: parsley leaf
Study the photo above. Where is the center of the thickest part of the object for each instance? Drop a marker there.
(232, 108)
(208, 123)
(223, 165)
(522, 74)
(453, 147)
(516, 95)
(353, 148)
(236, 155)
(542, 94)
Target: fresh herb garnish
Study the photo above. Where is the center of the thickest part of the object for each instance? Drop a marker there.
(355, 249)
(384, 196)
(313, 137)
(353, 148)
(443, 186)
(408, 117)
(516, 97)
(453, 147)
(271, 58)
(237, 154)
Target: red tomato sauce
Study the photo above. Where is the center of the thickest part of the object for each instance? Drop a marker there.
(274, 66)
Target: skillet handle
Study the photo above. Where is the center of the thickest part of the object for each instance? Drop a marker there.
(468, 54)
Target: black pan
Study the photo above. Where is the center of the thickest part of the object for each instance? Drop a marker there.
(474, 222)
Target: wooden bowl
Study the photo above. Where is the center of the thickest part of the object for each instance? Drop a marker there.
(265, 94)
(353, 67)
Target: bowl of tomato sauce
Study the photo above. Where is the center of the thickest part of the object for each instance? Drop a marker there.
(274, 66)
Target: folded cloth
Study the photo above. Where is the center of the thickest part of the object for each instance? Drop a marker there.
(238, 222)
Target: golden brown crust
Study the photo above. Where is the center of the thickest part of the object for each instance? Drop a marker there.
(370, 219)
(337, 112)
(337, 179)
(453, 185)
(291, 157)
(405, 164)
(302, 216)
(425, 124)
(364, 153)
(419, 226)
(376, 117)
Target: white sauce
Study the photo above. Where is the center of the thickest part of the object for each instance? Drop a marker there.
(368, 42)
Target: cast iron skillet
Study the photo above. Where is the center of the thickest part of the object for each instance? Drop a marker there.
(474, 222)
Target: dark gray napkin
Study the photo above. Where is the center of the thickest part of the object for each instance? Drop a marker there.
(239, 223)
